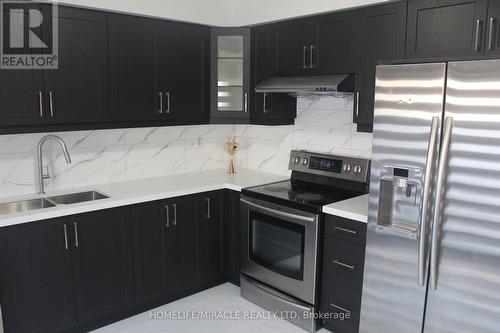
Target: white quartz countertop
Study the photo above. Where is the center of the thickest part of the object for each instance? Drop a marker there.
(143, 190)
(354, 209)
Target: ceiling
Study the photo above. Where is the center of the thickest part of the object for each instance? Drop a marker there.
(221, 12)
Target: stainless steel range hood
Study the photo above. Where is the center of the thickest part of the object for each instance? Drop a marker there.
(308, 85)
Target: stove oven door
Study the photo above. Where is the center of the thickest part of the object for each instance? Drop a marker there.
(280, 247)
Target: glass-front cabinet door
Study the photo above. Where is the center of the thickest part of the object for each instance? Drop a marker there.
(230, 73)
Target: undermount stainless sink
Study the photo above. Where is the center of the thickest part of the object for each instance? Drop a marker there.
(24, 206)
(73, 198)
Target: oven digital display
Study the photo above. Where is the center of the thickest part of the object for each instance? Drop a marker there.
(325, 164)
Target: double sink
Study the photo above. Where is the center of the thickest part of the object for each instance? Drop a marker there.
(66, 199)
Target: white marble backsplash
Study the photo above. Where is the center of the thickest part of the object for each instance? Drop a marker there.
(104, 156)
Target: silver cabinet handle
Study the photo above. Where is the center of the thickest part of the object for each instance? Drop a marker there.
(167, 216)
(246, 103)
(208, 208)
(347, 231)
(311, 55)
(422, 242)
(51, 104)
(75, 226)
(160, 108)
(40, 102)
(168, 102)
(343, 264)
(264, 109)
(443, 160)
(477, 35)
(491, 33)
(340, 308)
(357, 106)
(304, 55)
(66, 245)
(174, 219)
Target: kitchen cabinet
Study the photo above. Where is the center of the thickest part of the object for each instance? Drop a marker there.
(382, 37)
(102, 263)
(230, 75)
(492, 43)
(76, 92)
(37, 278)
(134, 93)
(165, 248)
(184, 69)
(446, 28)
(267, 109)
(234, 237)
(342, 273)
(212, 210)
(60, 273)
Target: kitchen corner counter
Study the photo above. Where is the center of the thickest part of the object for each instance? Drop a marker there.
(143, 190)
(353, 209)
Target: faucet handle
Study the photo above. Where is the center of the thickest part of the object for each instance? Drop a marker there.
(46, 172)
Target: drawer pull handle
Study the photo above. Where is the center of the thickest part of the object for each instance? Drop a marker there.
(340, 308)
(340, 263)
(347, 231)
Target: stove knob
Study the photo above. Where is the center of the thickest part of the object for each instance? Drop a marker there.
(305, 161)
(357, 169)
(347, 168)
(296, 160)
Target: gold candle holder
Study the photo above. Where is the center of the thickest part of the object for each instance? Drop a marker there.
(231, 147)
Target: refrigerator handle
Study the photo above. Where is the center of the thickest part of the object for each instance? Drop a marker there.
(443, 162)
(422, 243)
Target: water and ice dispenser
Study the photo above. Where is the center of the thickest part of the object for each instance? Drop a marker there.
(400, 199)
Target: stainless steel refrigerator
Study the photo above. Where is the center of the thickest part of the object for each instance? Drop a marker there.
(433, 244)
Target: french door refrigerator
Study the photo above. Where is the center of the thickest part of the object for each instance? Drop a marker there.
(433, 244)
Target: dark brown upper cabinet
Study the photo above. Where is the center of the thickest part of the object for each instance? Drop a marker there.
(492, 44)
(336, 48)
(446, 28)
(76, 92)
(382, 38)
(230, 75)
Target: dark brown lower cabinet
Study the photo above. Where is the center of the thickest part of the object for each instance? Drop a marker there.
(234, 237)
(342, 276)
(64, 272)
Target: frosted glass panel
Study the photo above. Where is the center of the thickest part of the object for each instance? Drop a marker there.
(230, 47)
(230, 72)
(230, 99)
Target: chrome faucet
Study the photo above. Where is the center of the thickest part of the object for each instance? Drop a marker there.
(41, 174)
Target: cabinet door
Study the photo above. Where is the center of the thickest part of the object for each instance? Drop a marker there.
(230, 75)
(446, 28)
(337, 37)
(184, 71)
(102, 259)
(153, 278)
(492, 46)
(77, 92)
(382, 38)
(133, 62)
(211, 225)
(21, 96)
(234, 237)
(185, 231)
(36, 277)
(292, 41)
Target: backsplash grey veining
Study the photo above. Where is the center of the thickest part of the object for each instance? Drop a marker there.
(104, 156)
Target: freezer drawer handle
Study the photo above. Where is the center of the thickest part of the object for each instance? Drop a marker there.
(347, 231)
(343, 264)
(422, 242)
(440, 186)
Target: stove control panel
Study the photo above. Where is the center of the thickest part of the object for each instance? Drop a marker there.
(330, 165)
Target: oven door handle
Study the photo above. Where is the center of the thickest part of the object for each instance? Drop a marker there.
(279, 213)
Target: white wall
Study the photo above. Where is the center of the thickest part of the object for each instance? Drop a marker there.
(222, 12)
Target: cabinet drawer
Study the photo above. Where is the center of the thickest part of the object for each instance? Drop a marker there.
(343, 306)
(349, 230)
(343, 263)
